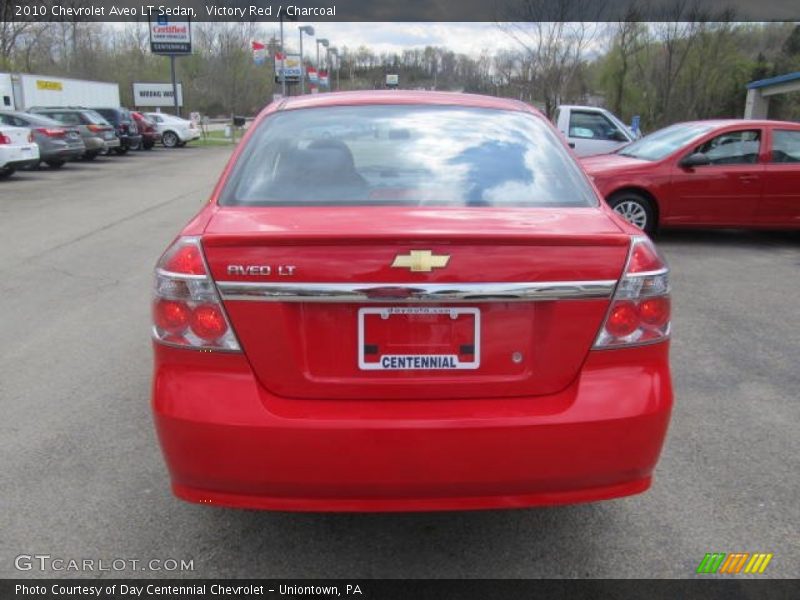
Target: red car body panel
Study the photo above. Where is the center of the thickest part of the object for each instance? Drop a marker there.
(146, 127)
(291, 423)
(229, 442)
(763, 194)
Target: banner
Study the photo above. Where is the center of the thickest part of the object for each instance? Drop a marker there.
(312, 75)
(259, 53)
(323, 79)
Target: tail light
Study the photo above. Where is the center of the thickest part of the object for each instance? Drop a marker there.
(640, 310)
(4, 139)
(96, 128)
(186, 307)
(53, 132)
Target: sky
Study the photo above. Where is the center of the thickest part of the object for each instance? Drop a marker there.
(466, 38)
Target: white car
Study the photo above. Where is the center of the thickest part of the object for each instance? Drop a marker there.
(17, 150)
(174, 130)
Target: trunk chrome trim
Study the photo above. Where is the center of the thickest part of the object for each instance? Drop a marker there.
(415, 292)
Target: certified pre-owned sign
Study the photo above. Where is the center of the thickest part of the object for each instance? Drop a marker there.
(156, 94)
(170, 36)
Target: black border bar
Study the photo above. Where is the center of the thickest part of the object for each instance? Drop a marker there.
(711, 588)
(404, 11)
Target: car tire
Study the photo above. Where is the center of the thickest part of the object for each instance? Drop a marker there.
(136, 146)
(121, 150)
(55, 164)
(148, 145)
(6, 172)
(170, 139)
(90, 155)
(636, 209)
(181, 144)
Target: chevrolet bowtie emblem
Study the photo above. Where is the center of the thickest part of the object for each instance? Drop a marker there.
(421, 261)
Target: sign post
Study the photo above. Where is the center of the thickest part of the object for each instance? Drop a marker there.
(171, 38)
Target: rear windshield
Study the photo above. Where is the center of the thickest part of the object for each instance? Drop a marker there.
(405, 156)
(95, 117)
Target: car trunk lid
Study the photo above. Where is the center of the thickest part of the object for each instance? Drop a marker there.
(348, 302)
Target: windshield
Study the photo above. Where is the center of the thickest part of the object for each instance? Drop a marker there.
(411, 155)
(665, 141)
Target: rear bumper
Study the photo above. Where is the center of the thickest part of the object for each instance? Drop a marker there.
(17, 156)
(229, 442)
(63, 152)
(94, 144)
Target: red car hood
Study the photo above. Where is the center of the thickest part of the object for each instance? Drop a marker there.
(604, 163)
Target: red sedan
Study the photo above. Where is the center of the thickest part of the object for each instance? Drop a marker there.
(732, 173)
(408, 301)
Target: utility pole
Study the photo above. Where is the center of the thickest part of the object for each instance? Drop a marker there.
(174, 85)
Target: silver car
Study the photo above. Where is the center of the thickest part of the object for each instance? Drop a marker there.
(97, 133)
(57, 143)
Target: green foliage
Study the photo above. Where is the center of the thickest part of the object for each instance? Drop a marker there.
(664, 72)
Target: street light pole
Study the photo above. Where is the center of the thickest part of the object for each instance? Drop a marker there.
(283, 59)
(308, 29)
(335, 52)
(325, 43)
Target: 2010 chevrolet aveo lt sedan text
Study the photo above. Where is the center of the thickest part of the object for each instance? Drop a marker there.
(408, 301)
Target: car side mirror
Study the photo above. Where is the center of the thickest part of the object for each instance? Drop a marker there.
(619, 136)
(698, 159)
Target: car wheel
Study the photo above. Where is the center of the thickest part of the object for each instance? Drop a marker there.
(7, 172)
(55, 164)
(635, 209)
(135, 146)
(90, 156)
(170, 139)
(148, 145)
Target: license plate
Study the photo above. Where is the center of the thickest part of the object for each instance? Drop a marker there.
(418, 338)
(26, 150)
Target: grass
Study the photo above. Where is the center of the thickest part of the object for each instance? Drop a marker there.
(217, 138)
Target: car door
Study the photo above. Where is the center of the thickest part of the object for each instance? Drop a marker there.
(593, 133)
(727, 191)
(780, 204)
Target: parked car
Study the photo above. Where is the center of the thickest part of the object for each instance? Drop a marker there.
(57, 143)
(723, 173)
(592, 130)
(174, 130)
(147, 128)
(98, 134)
(450, 318)
(17, 150)
(125, 126)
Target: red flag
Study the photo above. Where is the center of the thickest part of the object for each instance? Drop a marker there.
(279, 56)
(258, 46)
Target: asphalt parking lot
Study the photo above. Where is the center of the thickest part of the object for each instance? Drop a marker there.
(81, 474)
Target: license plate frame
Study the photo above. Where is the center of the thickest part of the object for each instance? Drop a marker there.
(452, 360)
